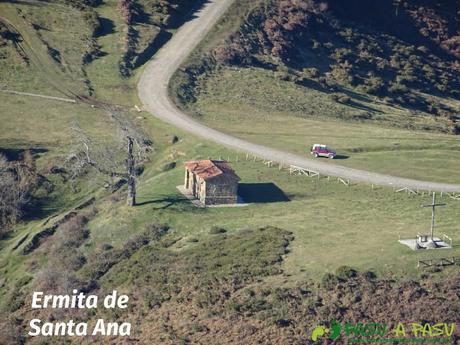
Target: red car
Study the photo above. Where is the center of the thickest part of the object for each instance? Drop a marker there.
(319, 150)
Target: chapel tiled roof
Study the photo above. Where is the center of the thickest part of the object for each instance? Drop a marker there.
(207, 168)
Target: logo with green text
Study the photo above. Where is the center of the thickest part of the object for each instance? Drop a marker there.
(376, 332)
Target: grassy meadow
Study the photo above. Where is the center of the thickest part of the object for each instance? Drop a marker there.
(253, 104)
(47, 55)
(359, 225)
(109, 86)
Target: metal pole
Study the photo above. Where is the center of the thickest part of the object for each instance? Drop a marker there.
(433, 213)
(433, 210)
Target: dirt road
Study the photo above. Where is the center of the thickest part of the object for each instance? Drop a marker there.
(153, 92)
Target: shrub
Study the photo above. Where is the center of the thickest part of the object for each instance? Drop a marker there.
(334, 97)
(155, 231)
(340, 97)
(18, 181)
(73, 232)
(105, 246)
(285, 24)
(374, 84)
(233, 52)
(11, 332)
(344, 99)
(215, 230)
(398, 88)
(346, 272)
(369, 275)
(54, 278)
(311, 72)
(284, 73)
(329, 281)
(167, 166)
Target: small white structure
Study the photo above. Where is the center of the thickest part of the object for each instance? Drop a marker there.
(424, 241)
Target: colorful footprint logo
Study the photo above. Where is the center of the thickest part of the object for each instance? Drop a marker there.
(336, 330)
(319, 331)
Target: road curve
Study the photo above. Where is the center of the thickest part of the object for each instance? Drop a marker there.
(153, 93)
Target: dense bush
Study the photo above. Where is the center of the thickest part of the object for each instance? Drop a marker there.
(18, 181)
(99, 263)
(129, 10)
(329, 280)
(215, 230)
(346, 272)
(64, 256)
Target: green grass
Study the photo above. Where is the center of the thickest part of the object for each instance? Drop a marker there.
(252, 104)
(60, 27)
(65, 29)
(359, 225)
(28, 120)
(103, 72)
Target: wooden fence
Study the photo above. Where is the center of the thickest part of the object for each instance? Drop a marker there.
(439, 262)
(300, 171)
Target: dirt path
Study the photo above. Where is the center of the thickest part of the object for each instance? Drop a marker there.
(68, 100)
(153, 92)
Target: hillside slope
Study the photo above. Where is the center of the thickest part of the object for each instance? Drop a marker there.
(402, 53)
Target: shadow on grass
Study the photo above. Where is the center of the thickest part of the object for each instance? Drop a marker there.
(39, 208)
(338, 157)
(106, 27)
(28, 2)
(16, 154)
(261, 193)
(153, 47)
(6, 235)
(188, 14)
(178, 203)
(164, 36)
(356, 105)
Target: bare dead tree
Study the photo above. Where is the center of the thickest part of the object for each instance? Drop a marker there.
(107, 158)
(131, 174)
